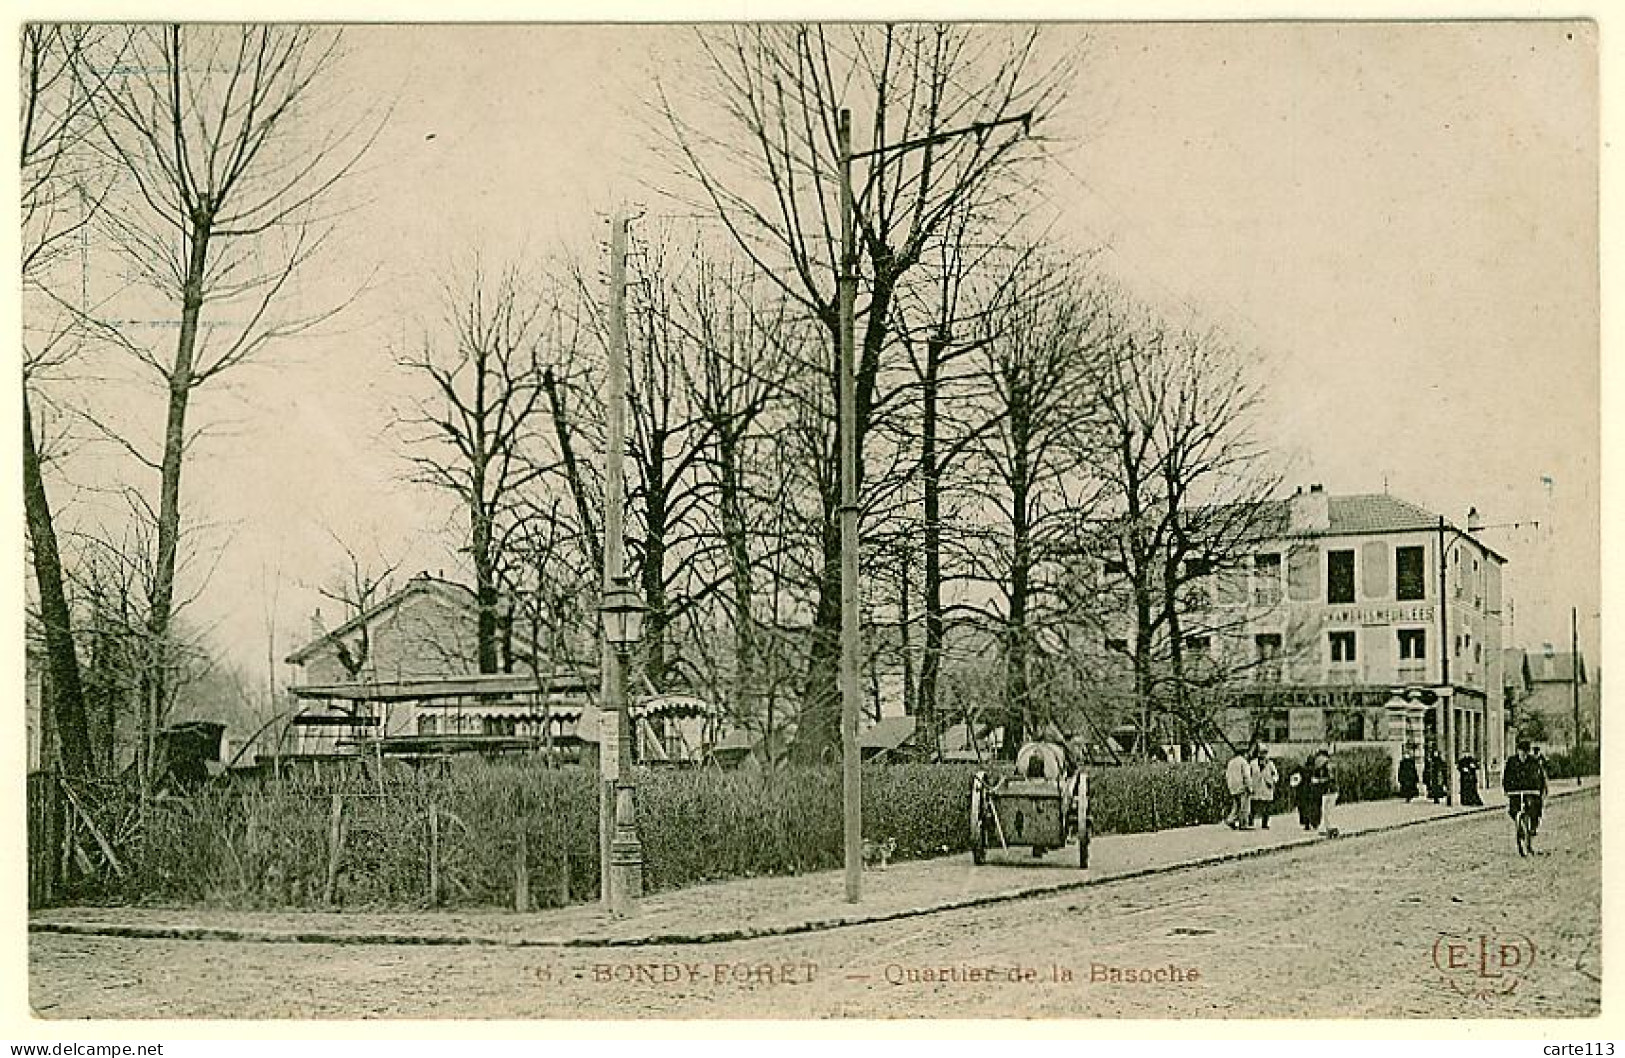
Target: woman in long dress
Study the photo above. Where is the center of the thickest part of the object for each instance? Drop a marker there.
(1468, 766)
(1408, 788)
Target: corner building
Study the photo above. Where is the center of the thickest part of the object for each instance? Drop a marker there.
(1369, 620)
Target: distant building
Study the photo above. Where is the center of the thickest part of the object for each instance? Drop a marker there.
(1556, 680)
(1338, 628)
(403, 678)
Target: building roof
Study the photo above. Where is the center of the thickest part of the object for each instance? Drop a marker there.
(426, 688)
(888, 734)
(1515, 663)
(1555, 667)
(1374, 512)
(1378, 513)
(419, 584)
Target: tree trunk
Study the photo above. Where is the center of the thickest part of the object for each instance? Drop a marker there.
(1017, 692)
(563, 430)
(162, 598)
(653, 571)
(67, 699)
(735, 538)
(931, 476)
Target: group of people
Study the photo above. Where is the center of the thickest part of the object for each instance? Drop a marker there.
(1252, 778)
(1435, 776)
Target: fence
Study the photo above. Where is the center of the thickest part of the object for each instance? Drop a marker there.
(46, 812)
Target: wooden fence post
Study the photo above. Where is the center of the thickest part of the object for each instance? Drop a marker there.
(521, 875)
(335, 847)
(561, 895)
(434, 855)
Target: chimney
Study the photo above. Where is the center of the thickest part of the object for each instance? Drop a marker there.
(1310, 512)
(1474, 522)
(317, 628)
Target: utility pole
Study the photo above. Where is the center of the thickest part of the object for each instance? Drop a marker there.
(1447, 698)
(1574, 670)
(851, 772)
(614, 739)
(851, 763)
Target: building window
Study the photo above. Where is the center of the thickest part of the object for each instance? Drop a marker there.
(1478, 653)
(498, 725)
(1413, 644)
(1267, 649)
(1198, 644)
(1340, 576)
(1410, 577)
(1272, 726)
(1342, 647)
(1345, 725)
(428, 725)
(1266, 579)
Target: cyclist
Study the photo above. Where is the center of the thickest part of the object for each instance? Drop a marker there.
(1525, 774)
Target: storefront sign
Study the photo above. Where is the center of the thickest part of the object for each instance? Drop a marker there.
(1377, 615)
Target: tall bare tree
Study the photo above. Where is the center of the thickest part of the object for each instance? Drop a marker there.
(216, 132)
(1038, 362)
(474, 435)
(761, 150)
(62, 186)
(1174, 443)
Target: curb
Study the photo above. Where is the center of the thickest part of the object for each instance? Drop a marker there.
(721, 936)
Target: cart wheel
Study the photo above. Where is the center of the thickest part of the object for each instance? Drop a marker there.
(1083, 822)
(978, 831)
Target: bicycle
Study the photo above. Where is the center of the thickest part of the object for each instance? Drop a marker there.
(1524, 821)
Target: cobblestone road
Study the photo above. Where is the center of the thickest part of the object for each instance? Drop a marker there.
(1422, 922)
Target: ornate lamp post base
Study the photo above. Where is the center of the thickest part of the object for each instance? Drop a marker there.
(625, 855)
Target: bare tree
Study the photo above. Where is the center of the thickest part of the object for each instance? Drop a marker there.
(1173, 442)
(62, 189)
(212, 127)
(1038, 362)
(761, 151)
(474, 434)
(357, 588)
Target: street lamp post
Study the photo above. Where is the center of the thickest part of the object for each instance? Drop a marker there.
(620, 854)
(623, 612)
(847, 288)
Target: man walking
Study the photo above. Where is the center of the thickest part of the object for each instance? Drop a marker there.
(1266, 776)
(1238, 779)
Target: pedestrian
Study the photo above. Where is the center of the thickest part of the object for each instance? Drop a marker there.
(1308, 800)
(1238, 779)
(1468, 766)
(1265, 778)
(1436, 775)
(1323, 782)
(1408, 788)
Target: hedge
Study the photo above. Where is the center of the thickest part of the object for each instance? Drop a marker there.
(1582, 760)
(268, 847)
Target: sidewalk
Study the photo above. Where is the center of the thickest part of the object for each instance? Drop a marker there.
(756, 907)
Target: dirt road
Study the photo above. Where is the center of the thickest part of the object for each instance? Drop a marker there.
(1435, 921)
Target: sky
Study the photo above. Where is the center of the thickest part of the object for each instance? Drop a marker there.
(1400, 221)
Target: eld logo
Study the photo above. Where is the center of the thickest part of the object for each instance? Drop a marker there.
(1485, 965)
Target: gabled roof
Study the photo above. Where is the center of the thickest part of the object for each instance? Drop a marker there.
(418, 585)
(1556, 667)
(888, 734)
(1378, 513)
(1374, 512)
(1515, 664)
